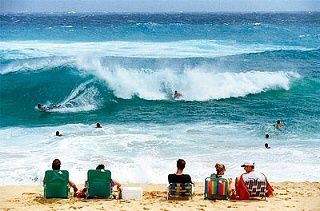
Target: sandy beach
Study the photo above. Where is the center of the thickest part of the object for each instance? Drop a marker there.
(287, 196)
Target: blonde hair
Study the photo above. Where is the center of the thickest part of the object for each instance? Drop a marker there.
(219, 167)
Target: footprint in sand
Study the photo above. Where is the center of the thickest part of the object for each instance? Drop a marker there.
(28, 193)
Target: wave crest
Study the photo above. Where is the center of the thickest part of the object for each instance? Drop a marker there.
(199, 84)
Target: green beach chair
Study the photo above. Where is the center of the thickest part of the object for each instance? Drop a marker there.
(99, 184)
(56, 184)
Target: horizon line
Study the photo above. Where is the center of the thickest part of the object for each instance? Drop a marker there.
(169, 12)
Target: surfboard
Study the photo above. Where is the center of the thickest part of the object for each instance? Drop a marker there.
(45, 108)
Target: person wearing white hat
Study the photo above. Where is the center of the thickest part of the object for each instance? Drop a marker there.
(248, 163)
(250, 173)
(241, 183)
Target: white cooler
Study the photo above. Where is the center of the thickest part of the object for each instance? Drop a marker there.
(132, 193)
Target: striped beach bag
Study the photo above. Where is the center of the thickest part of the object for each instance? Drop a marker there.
(216, 188)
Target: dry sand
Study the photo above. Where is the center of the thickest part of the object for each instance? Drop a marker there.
(287, 196)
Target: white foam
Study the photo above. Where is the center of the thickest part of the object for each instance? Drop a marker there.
(130, 149)
(39, 64)
(200, 84)
(207, 85)
(175, 49)
(83, 98)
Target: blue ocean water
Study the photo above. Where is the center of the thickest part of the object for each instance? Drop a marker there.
(238, 74)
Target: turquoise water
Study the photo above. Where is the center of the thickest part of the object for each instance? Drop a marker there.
(238, 74)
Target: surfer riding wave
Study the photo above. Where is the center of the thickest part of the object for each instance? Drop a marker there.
(43, 107)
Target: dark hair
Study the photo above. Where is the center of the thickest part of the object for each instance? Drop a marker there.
(98, 125)
(57, 133)
(56, 163)
(267, 135)
(278, 121)
(219, 168)
(100, 167)
(181, 164)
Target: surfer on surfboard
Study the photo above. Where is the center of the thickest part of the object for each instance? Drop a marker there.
(43, 107)
(177, 95)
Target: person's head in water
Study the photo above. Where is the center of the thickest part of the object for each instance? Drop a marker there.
(279, 124)
(56, 163)
(58, 133)
(39, 105)
(267, 135)
(267, 146)
(98, 125)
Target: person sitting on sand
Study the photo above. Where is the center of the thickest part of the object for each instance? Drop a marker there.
(242, 183)
(220, 169)
(113, 182)
(83, 192)
(179, 177)
(98, 125)
(279, 125)
(177, 95)
(56, 164)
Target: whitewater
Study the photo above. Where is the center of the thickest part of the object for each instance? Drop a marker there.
(238, 74)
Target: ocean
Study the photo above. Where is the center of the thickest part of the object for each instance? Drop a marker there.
(238, 74)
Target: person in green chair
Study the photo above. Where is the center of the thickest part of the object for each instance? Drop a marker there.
(113, 182)
(83, 193)
(56, 164)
